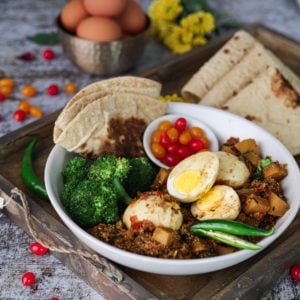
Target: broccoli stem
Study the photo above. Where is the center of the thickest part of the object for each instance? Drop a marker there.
(121, 191)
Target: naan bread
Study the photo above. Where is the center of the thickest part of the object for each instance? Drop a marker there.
(257, 60)
(113, 124)
(272, 103)
(218, 66)
(100, 89)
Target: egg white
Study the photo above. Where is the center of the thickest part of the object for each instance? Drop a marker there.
(193, 177)
(220, 202)
(232, 171)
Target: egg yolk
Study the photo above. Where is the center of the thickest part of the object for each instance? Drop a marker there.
(187, 181)
(211, 200)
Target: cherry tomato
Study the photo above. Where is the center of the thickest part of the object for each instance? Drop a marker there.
(48, 54)
(181, 124)
(38, 249)
(196, 145)
(196, 132)
(173, 148)
(172, 159)
(206, 142)
(158, 150)
(164, 125)
(155, 136)
(19, 115)
(184, 151)
(6, 90)
(2, 97)
(295, 272)
(165, 140)
(6, 81)
(173, 134)
(28, 279)
(53, 90)
(28, 91)
(54, 298)
(35, 111)
(1, 117)
(185, 137)
(24, 105)
(70, 87)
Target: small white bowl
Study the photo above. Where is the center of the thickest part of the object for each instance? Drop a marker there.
(214, 143)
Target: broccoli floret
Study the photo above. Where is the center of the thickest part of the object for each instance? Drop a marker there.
(140, 176)
(75, 170)
(108, 167)
(93, 202)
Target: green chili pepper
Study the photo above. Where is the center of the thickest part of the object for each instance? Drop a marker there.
(30, 179)
(227, 239)
(231, 227)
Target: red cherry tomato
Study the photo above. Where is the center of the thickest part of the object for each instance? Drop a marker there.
(48, 54)
(295, 272)
(172, 159)
(2, 97)
(28, 279)
(184, 151)
(54, 298)
(180, 124)
(53, 90)
(38, 249)
(196, 145)
(19, 115)
(165, 141)
(173, 148)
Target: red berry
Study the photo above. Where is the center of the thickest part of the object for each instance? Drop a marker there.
(54, 298)
(38, 249)
(48, 54)
(28, 279)
(2, 97)
(295, 272)
(53, 90)
(19, 115)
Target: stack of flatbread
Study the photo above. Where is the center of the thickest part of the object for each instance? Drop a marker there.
(247, 79)
(109, 117)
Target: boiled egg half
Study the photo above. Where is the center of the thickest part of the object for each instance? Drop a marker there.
(193, 177)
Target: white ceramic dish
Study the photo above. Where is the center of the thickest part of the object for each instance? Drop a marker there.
(225, 125)
(173, 117)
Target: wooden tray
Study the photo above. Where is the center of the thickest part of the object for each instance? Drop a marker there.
(249, 279)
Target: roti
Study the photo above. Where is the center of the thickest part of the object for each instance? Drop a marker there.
(218, 66)
(99, 89)
(272, 103)
(113, 124)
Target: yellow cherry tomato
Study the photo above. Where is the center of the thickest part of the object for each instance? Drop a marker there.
(35, 111)
(6, 81)
(24, 105)
(164, 125)
(28, 91)
(6, 90)
(70, 88)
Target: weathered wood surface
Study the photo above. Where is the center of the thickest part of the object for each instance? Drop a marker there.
(232, 283)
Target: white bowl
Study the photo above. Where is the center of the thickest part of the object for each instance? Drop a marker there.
(173, 117)
(225, 125)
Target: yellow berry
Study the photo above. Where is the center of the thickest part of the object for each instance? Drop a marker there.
(35, 111)
(6, 81)
(28, 91)
(70, 88)
(24, 105)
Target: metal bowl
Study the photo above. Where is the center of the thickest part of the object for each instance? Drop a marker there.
(103, 58)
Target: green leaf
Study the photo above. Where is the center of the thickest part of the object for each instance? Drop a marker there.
(44, 38)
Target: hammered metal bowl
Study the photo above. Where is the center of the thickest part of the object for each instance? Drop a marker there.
(103, 58)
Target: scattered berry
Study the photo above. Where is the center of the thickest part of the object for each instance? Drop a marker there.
(48, 54)
(35, 111)
(54, 298)
(28, 279)
(28, 91)
(27, 56)
(2, 97)
(6, 81)
(70, 88)
(295, 272)
(53, 90)
(19, 115)
(6, 90)
(38, 249)
(24, 105)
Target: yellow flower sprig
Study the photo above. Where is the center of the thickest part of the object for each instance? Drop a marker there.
(180, 33)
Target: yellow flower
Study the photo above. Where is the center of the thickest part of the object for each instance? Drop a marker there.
(167, 10)
(199, 23)
(179, 40)
(199, 40)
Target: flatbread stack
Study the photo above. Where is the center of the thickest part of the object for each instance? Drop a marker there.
(109, 117)
(247, 79)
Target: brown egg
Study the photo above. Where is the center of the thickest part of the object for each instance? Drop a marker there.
(72, 13)
(106, 8)
(99, 29)
(133, 20)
